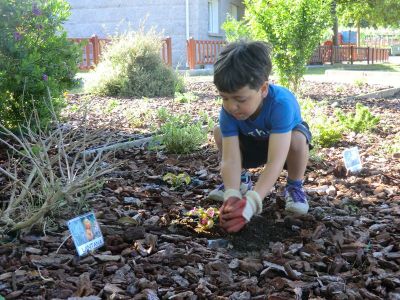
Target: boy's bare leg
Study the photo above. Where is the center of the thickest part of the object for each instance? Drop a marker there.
(218, 139)
(298, 156)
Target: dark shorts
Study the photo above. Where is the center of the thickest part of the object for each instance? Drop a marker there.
(255, 152)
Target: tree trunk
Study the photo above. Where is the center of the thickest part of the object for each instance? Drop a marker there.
(335, 38)
(358, 35)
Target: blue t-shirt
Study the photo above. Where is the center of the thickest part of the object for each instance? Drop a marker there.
(280, 113)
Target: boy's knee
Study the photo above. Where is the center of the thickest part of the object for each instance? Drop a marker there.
(217, 133)
(298, 141)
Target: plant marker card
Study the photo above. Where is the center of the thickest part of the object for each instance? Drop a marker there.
(86, 234)
(352, 160)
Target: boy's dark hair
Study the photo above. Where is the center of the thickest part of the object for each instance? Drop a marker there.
(242, 63)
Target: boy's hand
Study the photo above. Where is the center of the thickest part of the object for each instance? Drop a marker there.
(236, 212)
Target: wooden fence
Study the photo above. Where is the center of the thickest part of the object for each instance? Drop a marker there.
(94, 46)
(338, 54)
(202, 52)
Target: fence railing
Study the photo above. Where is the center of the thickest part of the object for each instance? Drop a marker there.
(338, 54)
(93, 48)
(202, 52)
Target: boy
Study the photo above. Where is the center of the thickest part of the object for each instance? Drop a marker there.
(260, 123)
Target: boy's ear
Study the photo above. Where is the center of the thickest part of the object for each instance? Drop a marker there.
(264, 89)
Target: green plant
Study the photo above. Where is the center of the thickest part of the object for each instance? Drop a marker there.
(177, 181)
(180, 135)
(185, 97)
(205, 218)
(360, 121)
(179, 84)
(35, 57)
(134, 120)
(325, 130)
(207, 120)
(162, 114)
(132, 67)
(111, 106)
(293, 28)
(235, 30)
(360, 82)
(394, 145)
(339, 89)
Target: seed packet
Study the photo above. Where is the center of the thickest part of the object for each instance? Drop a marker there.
(352, 160)
(86, 234)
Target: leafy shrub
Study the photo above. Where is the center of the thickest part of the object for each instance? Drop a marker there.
(35, 56)
(132, 67)
(325, 130)
(360, 121)
(180, 135)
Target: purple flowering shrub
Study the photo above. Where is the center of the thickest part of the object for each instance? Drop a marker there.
(35, 57)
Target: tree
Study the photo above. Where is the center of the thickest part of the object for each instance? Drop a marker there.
(293, 28)
(373, 13)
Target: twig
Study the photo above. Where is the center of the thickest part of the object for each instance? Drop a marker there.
(41, 276)
(63, 242)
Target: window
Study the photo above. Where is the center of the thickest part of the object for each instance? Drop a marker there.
(213, 20)
(234, 11)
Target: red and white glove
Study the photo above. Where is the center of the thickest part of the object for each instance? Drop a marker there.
(237, 210)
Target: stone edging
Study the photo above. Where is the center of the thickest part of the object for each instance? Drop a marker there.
(378, 94)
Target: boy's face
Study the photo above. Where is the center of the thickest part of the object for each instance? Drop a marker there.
(245, 102)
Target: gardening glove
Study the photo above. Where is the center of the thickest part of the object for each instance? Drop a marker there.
(236, 212)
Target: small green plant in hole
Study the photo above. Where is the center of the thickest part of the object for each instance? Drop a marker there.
(394, 147)
(177, 181)
(206, 217)
(360, 82)
(185, 97)
(163, 114)
(339, 89)
(353, 209)
(360, 121)
(111, 106)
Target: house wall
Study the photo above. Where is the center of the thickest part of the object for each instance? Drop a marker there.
(108, 17)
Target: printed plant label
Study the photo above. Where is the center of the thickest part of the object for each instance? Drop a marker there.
(85, 233)
(352, 160)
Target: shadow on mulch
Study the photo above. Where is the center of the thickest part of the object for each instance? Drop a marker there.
(257, 235)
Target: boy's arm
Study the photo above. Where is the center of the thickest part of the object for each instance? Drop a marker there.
(231, 163)
(278, 149)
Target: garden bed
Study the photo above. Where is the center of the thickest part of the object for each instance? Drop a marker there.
(347, 247)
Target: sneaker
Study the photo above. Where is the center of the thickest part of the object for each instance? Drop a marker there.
(245, 185)
(296, 200)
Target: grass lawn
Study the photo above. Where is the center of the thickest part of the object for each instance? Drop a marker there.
(320, 70)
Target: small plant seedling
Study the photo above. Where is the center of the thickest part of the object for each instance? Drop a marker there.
(111, 106)
(339, 89)
(360, 82)
(206, 217)
(185, 97)
(176, 181)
